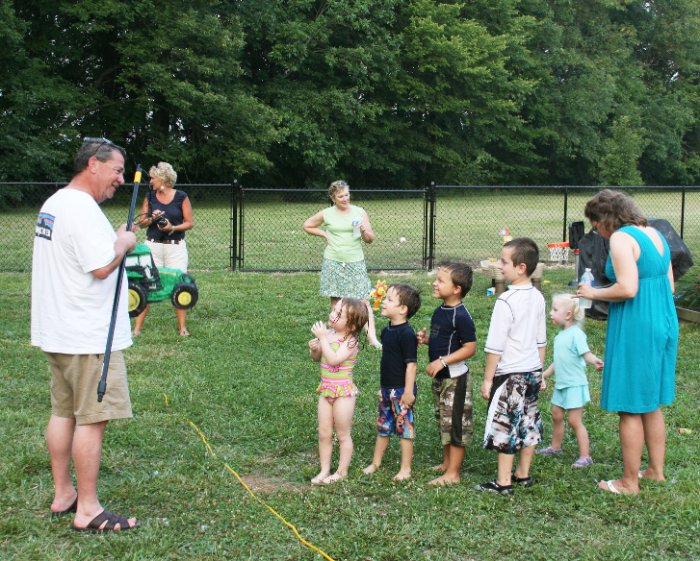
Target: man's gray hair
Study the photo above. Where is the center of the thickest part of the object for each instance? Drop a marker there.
(101, 148)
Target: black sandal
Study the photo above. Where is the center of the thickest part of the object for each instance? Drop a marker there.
(112, 520)
(494, 487)
(524, 481)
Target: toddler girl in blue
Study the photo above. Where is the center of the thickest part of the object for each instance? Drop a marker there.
(571, 393)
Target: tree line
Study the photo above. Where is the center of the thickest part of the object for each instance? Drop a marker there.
(392, 93)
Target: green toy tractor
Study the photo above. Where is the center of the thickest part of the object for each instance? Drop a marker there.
(149, 284)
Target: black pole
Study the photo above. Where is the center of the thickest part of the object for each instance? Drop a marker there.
(102, 386)
(682, 210)
(233, 252)
(566, 213)
(432, 226)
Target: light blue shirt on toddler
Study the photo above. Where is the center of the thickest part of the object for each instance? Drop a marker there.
(569, 366)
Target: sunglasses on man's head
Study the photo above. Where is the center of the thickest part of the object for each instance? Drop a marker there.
(101, 141)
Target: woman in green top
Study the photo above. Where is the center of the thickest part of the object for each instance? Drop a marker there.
(344, 227)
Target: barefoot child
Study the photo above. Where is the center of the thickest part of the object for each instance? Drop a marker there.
(571, 353)
(397, 391)
(451, 342)
(336, 349)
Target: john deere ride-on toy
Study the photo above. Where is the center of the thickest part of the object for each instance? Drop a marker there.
(149, 284)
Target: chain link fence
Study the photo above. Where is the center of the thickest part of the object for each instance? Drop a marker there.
(209, 243)
(468, 219)
(271, 237)
(254, 229)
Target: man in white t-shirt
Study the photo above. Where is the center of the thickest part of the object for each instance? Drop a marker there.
(74, 275)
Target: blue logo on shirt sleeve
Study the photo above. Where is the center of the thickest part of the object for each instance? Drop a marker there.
(44, 225)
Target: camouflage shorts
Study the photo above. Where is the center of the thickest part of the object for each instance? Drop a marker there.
(453, 409)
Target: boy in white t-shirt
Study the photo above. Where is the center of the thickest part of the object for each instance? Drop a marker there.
(515, 351)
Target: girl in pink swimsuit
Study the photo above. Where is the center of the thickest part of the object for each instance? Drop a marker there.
(335, 347)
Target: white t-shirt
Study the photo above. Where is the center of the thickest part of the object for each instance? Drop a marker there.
(518, 329)
(71, 309)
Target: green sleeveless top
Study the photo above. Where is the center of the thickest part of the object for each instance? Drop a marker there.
(344, 244)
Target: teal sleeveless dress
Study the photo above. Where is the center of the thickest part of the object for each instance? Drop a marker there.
(642, 336)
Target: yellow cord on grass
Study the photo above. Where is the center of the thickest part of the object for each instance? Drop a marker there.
(267, 506)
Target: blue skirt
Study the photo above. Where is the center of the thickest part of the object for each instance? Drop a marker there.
(347, 280)
(573, 397)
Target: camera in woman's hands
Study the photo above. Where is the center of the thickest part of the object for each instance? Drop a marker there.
(159, 220)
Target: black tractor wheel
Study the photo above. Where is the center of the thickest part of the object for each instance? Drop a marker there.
(184, 296)
(137, 299)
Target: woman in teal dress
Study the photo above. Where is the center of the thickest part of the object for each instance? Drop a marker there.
(344, 227)
(642, 334)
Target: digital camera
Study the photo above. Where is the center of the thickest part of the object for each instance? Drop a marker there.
(159, 220)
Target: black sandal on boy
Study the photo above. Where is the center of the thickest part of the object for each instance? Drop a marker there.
(494, 487)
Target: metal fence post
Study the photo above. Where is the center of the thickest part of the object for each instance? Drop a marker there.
(682, 210)
(566, 213)
(429, 227)
(233, 250)
(241, 227)
(424, 257)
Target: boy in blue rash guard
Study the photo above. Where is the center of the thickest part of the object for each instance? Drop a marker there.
(397, 393)
(452, 341)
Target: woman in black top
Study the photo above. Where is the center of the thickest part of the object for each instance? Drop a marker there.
(167, 213)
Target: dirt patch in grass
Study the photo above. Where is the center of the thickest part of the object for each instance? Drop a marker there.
(260, 484)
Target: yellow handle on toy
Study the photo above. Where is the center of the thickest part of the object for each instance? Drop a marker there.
(137, 176)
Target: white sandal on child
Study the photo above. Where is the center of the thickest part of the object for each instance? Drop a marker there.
(609, 486)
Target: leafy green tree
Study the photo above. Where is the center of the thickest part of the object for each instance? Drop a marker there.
(385, 92)
(669, 50)
(161, 79)
(181, 78)
(454, 95)
(380, 92)
(619, 164)
(35, 103)
(581, 58)
(317, 66)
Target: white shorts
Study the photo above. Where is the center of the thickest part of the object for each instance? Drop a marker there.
(172, 256)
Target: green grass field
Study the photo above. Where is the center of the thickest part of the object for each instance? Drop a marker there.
(467, 225)
(245, 380)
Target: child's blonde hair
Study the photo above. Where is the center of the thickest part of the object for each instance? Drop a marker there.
(571, 304)
(357, 315)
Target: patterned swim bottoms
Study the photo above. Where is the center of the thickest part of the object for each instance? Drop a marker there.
(395, 418)
(513, 420)
(333, 391)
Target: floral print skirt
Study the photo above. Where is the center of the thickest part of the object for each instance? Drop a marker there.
(348, 280)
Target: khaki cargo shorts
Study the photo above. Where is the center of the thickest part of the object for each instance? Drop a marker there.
(74, 380)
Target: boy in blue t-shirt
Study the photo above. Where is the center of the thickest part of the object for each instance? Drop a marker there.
(397, 392)
(452, 341)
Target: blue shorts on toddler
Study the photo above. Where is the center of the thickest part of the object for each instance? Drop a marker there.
(394, 417)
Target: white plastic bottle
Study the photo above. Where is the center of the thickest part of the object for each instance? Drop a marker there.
(586, 278)
(356, 232)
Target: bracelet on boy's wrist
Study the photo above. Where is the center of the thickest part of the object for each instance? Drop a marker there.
(443, 361)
